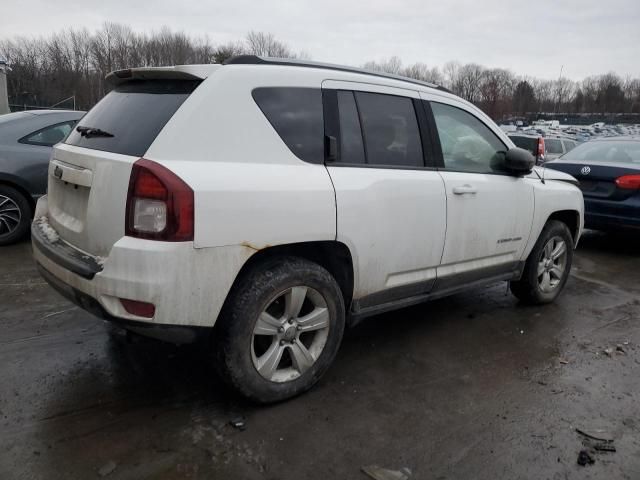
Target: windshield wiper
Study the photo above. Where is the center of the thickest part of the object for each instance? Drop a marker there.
(92, 132)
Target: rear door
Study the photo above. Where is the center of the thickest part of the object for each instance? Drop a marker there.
(489, 213)
(89, 173)
(391, 207)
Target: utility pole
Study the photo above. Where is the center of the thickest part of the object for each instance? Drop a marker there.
(4, 99)
(557, 103)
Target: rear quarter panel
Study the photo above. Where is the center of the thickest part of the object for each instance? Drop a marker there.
(249, 188)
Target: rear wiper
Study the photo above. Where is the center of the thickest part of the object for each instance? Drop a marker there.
(92, 132)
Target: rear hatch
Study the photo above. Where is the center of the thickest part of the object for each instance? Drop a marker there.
(89, 173)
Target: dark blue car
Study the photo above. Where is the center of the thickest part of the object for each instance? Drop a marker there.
(608, 170)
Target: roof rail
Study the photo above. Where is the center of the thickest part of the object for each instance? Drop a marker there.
(257, 60)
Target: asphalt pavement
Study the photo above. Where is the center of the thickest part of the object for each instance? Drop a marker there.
(474, 386)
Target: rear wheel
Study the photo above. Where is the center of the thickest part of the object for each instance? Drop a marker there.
(548, 266)
(280, 330)
(15, 215)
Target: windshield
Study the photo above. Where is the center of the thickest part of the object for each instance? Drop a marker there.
(619, 151)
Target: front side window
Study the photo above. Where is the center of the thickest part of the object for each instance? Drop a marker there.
(296, 115)
(468, 145)
(390, 130)
(49, 136)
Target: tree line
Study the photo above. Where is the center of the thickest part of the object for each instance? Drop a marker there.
(46, 71)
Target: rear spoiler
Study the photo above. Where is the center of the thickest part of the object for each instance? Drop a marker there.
(180, 72)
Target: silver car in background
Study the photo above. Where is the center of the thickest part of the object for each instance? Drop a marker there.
(26, 141)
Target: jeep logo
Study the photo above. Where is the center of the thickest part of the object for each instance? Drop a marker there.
(585, 170)
(57, 172)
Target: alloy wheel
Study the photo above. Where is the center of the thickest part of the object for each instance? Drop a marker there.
(290, 334)
(552, 264)
(10, 215)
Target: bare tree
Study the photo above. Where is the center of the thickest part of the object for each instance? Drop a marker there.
(388, 65)
(420, 71)
(73, 63)
(470, 78)
(265, 44)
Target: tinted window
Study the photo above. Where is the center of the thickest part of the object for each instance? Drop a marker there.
(528, 143)
(134, 113)
(49, 136)
(553, 145)
(351, 148)
(619, 151)
(390, 129)
(296, 114)
(467, 143)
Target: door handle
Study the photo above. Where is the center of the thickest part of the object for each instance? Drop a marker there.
(462, 189)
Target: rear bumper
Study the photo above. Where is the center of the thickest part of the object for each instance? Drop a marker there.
(606, 214)
(187, 286)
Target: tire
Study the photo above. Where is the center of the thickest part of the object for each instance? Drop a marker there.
(541, 280)
(15, 215)
(259, 352)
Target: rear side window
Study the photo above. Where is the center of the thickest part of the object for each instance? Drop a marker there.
(131, 116)
(49, 136)
(296, 115)
(390, 130)
(528, 143)
(351, 147)
(553, 145)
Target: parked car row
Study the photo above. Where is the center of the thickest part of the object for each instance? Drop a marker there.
(544, 148)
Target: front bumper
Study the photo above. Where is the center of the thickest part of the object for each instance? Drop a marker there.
(188, 286)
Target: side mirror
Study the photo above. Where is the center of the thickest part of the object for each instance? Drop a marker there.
(518, 161)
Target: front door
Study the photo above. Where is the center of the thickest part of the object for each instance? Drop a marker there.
(489, 212)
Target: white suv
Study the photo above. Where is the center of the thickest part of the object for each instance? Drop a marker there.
(278, 201)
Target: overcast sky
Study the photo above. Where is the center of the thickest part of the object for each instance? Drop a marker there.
(530, 37)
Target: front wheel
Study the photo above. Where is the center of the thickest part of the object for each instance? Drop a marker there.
(547, 268)
(280, 329)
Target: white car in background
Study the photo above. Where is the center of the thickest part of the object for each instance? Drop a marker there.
(269, 203)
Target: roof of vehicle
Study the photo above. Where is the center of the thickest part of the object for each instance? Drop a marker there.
(49, 111)
(256, 60)
(622, 138)
(199, 72)
(520, 134)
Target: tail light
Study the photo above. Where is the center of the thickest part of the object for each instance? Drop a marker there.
(540, 147)
(629, 182)
(159, 204)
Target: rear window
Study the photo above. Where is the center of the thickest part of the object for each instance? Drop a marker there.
(132, 114)
(296, 115)
(615, 151)
(553, 145)
(528, 143)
